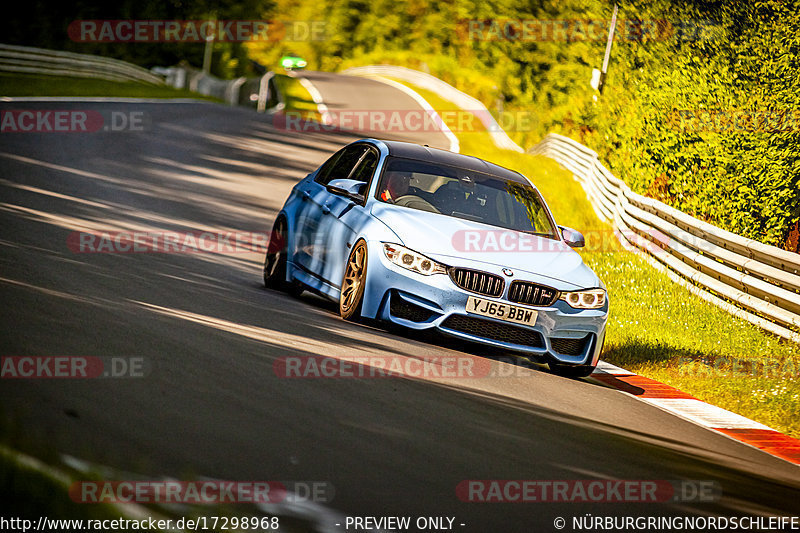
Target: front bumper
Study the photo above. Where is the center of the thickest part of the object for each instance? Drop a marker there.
(561, 334)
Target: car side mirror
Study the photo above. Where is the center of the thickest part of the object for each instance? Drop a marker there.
(574, 239)
(352, 189)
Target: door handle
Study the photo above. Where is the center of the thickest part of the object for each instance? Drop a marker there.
(306, 195)
(326, 210)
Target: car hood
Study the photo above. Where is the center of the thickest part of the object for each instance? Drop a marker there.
(459, 242)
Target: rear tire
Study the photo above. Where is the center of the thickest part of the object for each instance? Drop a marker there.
(355, 278)
(275, 259)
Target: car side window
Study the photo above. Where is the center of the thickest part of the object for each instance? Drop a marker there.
(367, 166)
(326, 167)
(341, 165)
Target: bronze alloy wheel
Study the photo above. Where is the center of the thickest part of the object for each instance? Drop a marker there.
(355, 277)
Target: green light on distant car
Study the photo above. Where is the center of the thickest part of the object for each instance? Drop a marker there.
(293, 62)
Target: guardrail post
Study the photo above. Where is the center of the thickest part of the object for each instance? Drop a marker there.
(233, 90)
(179, 82)
(263, 91)
(749, 279)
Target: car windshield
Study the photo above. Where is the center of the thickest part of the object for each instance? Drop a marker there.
(465, 194)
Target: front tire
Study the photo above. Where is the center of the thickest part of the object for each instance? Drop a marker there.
(353, 283)
(571, 371)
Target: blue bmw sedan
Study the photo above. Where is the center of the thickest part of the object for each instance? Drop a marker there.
(429, 239)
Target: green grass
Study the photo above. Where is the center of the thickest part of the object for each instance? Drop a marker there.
(29, 85)
(657, 328)
(33, 488)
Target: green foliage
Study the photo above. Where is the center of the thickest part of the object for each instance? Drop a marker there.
(666, 120)
(688, 125)
(45, 23)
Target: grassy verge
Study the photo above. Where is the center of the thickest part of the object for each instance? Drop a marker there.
(657, 328)
(28, 85)
(34, 489)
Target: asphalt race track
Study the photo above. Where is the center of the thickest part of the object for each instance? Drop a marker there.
(347, 96)
(211, 403)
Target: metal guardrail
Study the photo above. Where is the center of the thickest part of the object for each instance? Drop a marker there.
(752, 280)
(240, 91)
(446, 91)
(27, 60)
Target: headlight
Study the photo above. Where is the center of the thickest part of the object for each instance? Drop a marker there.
(591, 299)
(402, 256)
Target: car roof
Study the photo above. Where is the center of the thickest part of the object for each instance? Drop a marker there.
(466, 162)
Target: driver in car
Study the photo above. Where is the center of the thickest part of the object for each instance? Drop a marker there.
(396, 186)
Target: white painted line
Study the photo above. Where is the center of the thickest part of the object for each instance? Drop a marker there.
(705, 414)
(446, 91)
(317, 97)
(608, 368)
(454, 144)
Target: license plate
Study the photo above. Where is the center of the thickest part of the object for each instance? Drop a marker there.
(509, 313)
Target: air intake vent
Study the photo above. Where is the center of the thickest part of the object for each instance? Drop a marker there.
(497, 331)
(569, 346)
(400, 308)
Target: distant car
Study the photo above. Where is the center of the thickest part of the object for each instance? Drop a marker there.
(398, 232)
(293, 62)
